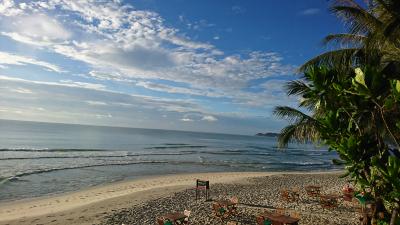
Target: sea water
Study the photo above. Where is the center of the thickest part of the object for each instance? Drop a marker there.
(38, 159)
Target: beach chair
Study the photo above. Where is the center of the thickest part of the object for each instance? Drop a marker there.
(202, 185)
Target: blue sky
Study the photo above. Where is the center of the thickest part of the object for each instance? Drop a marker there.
(212, 66)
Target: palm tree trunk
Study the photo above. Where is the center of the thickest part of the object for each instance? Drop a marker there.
(394, 216)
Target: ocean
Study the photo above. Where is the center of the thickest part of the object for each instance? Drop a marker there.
(39, 159)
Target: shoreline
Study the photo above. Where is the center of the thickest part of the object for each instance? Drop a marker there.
(109, 197)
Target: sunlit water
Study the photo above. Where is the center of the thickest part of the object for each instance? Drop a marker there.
(38, 159)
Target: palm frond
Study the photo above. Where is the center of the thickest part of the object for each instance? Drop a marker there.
(338, 58)
(358, 19)
(392, 29)
(391, 8)
(310, 104)
(286, 135)
(303, 131)
(290, 114)
(296, 87)
(344, 39)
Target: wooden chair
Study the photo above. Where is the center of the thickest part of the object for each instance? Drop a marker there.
(313, 191)
(289, 195)
(285, 195)
(296, 193)
(328, 203)
(202, 185)
(348, 196)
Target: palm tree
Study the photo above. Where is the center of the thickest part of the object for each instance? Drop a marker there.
(373, 36)
(373, 39)
(340, 109)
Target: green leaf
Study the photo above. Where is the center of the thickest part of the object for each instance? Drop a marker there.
(389, 103)
(398, 86)
(360, 77)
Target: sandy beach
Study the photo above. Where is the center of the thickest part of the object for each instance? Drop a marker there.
(130, 201)
(88, 206)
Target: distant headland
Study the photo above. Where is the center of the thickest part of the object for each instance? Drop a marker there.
(268, 134)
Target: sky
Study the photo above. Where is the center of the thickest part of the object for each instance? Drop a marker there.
(210, 66)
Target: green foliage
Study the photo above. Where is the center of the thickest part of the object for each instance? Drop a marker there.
(352, 96)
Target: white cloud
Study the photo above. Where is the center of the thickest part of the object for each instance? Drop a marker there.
(121, 43)
(310, 11)
(238, 9)
(22, 91)
(13, 59)
(103, 116)
(72, 83)
(209, 118)
(187, 120)
(40, 27)
(62, 102)
(7, 8)
(65, 83)
(130, 100)
(96, 103)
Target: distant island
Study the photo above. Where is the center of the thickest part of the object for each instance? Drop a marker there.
(268, 134)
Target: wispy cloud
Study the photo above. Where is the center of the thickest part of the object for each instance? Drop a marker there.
(117, 43)
(186, 120)
(96, 103)
(13, 59)
(237, 9)
(209, 118)
(310, 11)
